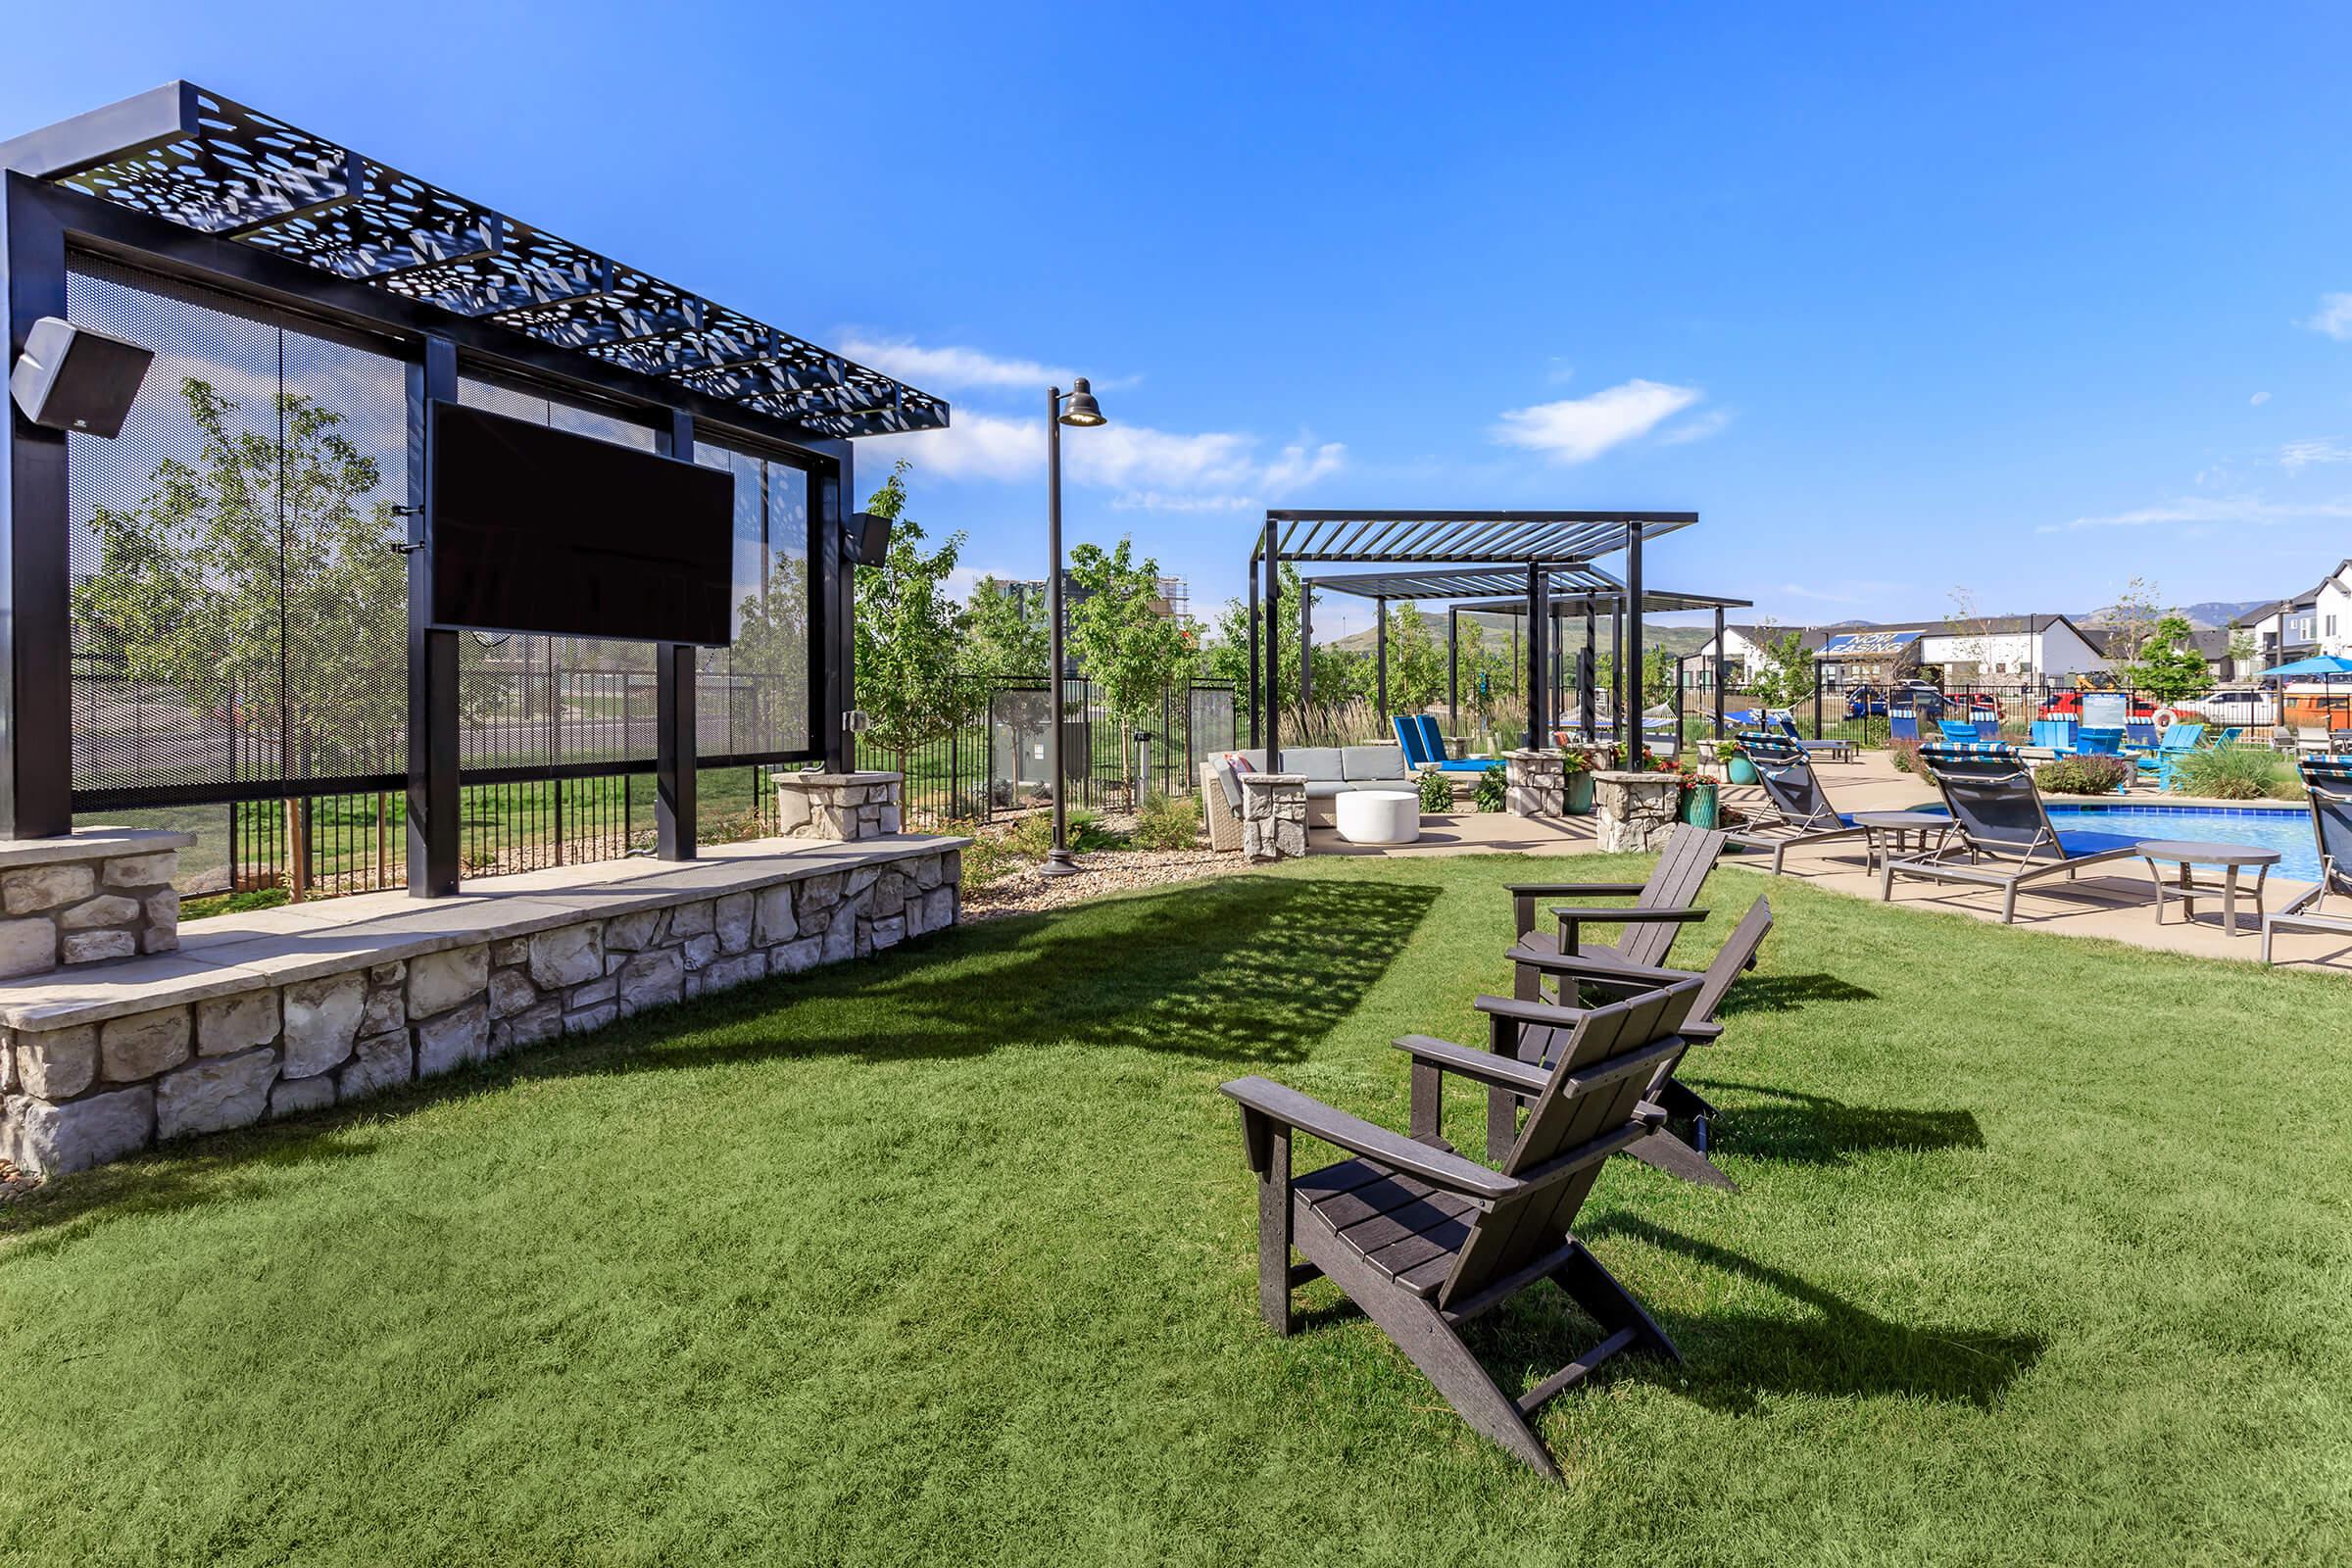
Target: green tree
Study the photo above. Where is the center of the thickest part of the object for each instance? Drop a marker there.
(2169, 667)
(268, 543)
(1338, 673)
(2242, 653)
(910, 633)
(1009, 631)
(1416, 660)
(1121, 640)
(2134, 616)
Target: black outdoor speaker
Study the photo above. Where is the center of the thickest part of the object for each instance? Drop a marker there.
(865, 538)
(71, 378)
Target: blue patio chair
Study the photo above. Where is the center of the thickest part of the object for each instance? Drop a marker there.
(1837, 751)
(2058, 734)
(1425, 747)
(2328, 786)
(2177, 738)
(1999, 818)
(1902, 723)
(2140, 734)
(1959, 734)
(2099, 742)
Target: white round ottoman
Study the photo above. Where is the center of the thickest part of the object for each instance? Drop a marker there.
(1379, 817)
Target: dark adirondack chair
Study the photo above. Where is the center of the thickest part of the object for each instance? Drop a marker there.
(1425, 1241)
(1797, 809)
(2327, 785)
(2002, 828)
(1538, 1031)
(1661, 905)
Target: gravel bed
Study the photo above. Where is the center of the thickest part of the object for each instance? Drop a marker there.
(1101, 871)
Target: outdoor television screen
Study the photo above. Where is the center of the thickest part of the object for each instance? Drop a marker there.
(540, 530)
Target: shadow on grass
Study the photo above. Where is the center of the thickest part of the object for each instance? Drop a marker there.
(1815, 1130)
(1731, 1359)
(1788, 993)
(1241, 973)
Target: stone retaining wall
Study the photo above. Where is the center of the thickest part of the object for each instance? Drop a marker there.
(83, 899)
(1535, 784)
(81, 1094)
(1637, 812)
(838, 805)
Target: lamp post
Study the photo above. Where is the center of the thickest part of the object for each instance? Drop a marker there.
(1084, 413)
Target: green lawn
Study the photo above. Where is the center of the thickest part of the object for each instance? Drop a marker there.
(2045, 1256)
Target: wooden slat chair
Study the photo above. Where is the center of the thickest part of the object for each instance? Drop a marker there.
(1797, 809)
(1998, 818)
(1425, 1241)
(2327, 785)
(1661, 905)
(1537, 1032)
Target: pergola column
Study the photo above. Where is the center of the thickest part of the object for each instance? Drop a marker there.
(1632, 638)
(1307, 644)
(1453, 670)
(1273, 591)
(1716, 674)
(1586, 674)
(1617, 679)
(1254, 671)
(432, 760)
(674, 727)
(1539, 606)
(1380, 647)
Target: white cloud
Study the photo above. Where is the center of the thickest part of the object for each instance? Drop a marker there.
(2334, 317)
(2198, 510)
(2302, 454)
(1157, 470)
(1843, 592)
(974, 446)
(1698, 429)
(1161, 500)
(952, 368)
(2258, 400)
(1579, 429)
(1296, 466)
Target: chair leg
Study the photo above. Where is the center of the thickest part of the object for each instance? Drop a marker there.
(1610, 1303)
(2009, 903)
(1274, 1236)
(1662, 1151)
(1431, 1343)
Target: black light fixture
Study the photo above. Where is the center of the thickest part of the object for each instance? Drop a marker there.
(1082, 413)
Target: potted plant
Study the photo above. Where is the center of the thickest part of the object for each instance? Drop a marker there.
(1576, 774)
(1739, 767)
(1699, 794)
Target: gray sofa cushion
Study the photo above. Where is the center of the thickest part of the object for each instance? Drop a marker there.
(1315, 761)
(1228, 783)
(1369, 762)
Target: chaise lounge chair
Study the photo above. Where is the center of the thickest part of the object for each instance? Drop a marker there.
(1835, 751)
(1538, 1031)
(1998, 816)
(1425, 1241)
(1425, 747)
(2328, 784)
(1661, 905)
(1799, 811)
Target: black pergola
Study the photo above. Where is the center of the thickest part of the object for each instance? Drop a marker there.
(1448, 555)
(186, 183)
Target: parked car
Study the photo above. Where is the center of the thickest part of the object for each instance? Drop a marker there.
(2069, 704)
(2239, 705)
(1872, 702)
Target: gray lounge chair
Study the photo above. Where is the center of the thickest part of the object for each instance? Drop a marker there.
(1537, 1031)
(1425, 1241)
(1797, 811)
(1998, 818)
(1661, 905)
(2327, 785)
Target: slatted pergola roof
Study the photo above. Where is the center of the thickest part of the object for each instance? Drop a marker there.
(1571, 590)
(205, 163)
(1461, 538)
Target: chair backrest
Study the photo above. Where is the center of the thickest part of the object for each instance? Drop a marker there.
(1902, 723)
(2183, 736)
(1954, 730)
(1784, 773)
(2140, 733)
(1433, 739)
(2328, 784)
(1674, 884)
(2099, 742)
(1612, 1056)
(1408, 736)
(1993, 798)
(1540, 1044)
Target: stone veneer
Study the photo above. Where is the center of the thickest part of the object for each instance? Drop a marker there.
(1535, 784)
(1273, 816)
(837, 806)
(81, 1093)
(1637, 811)
(103, 894)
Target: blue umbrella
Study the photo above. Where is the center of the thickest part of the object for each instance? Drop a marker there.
(2324, 665)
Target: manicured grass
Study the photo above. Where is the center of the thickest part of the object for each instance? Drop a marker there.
(2044, 1256)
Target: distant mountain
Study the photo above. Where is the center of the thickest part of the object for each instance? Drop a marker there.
(2203, 615)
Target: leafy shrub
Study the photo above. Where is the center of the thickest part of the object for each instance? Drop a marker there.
(2084, 775)
(2235, 774)
(1033, 835)
(196, 908)
(1906, 756)
(1437, 795)
(1494, 786)
(1167, 823)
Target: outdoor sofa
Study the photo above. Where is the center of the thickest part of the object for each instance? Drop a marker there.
(1330, 771)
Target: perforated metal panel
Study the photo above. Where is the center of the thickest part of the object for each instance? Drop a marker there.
(238, 615)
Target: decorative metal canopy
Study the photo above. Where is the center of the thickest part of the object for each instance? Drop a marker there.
(1655, 601)
(1503, 592)
(198, 160)
(1488, 538)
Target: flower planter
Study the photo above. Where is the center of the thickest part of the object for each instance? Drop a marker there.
(1742, 770)
(1579, 794)
(1698, 805)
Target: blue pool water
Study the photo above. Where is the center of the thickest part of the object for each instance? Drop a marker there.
(2285, 829)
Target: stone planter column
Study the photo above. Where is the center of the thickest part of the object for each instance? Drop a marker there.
(1535, 784)
(103, 894)
(1273, 816)
(838, 805)
(1637, 811)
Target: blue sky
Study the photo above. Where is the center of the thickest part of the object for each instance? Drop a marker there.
(2022, 300)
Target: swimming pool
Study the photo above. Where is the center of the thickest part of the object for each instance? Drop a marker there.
(2285, 828)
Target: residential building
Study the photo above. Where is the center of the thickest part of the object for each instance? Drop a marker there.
(1983, 651)
(2304, 626)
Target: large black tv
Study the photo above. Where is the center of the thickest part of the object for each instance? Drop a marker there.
(540, 530)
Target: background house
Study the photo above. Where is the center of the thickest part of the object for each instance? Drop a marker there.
(2318, 621)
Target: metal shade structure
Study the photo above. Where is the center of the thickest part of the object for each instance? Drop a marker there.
(203, 162)
(1450, 554)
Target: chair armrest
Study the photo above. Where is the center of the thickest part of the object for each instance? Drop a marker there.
(1597, 969)
(1542, 1014)
(1575, 890)
(1484, 1065)
(1581, 913)
(1304, 1113)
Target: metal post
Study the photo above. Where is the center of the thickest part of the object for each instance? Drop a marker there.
(1617, 680)
(433, 657)
(36, 670)
(675, 733)
(1539, 607)
(1722, 666)
(1273, 655)
(1380, 656)
(1057, 859)
(1453, 670)
(1634, 671)
(1254, 671)
(1588, 673)
(1306, 645)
